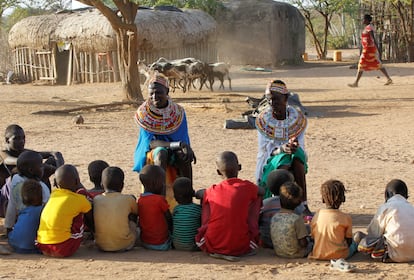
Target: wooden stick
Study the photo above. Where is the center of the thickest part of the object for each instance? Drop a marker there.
(69, 74)
(88, 107)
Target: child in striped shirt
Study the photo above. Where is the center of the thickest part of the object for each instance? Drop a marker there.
(186, 216)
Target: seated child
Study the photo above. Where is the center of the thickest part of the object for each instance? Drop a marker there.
(271, 205)
(155, 219)
(114, 230)
(287, 229)
(95, 169)
(61, 223)
(186, 215)
(30, 166)
(390, 233)
(230, 213)
(22, 237)
(331, 229)
(15, 140)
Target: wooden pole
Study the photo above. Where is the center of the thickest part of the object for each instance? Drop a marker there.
(82, 68)
(91, 69)
(25, 72)
(76, 69)
(69, 75)
(31, 64)
(53, 66)
(85, 68)
(98, 69)
(115, 67)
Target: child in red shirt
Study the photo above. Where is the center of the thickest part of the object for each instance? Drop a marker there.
(155, 219)
(230, 213)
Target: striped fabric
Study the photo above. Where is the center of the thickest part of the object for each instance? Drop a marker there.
(186, 221)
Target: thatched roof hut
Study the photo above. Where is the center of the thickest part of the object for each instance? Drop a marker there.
(80, 46)
(89, 30)
(161, 29)
(35, 32)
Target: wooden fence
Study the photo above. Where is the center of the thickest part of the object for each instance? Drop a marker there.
(87, 67)
(31, 65)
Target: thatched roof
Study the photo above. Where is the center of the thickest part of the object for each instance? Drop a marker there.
(173, 29)
(90, 31)
(34, 32)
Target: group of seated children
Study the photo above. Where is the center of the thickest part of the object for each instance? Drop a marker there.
(231, 222)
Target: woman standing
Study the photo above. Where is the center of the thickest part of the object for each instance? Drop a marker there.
(369, 59)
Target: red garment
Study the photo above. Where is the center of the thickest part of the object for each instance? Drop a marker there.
(95, 193)
(151, 213)
(369, 59)
(68, 247)
(230, 218)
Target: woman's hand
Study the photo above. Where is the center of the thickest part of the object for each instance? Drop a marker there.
(186, 154)
(291, 147)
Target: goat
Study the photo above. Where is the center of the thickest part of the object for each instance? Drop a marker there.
(218, 70)
(176, 73)
(144, 70)
(197, 70)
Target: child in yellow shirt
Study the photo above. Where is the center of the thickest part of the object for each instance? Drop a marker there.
(61, 223)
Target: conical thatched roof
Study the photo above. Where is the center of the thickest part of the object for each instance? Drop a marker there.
(34, 32)
(90, 31)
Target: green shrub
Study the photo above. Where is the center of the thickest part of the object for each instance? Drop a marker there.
(338, 42)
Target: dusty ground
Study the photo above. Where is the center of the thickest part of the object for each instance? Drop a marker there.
(361, 136)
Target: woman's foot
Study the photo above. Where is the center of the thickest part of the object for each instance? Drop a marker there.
(353, 85)
(389, 82)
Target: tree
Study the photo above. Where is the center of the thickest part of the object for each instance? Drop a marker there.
(6, 4)
(395, 21)
(208, 6)
(326, 9)
(122, 21)
(405, 10)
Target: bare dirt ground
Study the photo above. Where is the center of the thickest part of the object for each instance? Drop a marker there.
(361, 136)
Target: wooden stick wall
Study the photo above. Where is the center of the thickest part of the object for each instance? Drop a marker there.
(87, 67)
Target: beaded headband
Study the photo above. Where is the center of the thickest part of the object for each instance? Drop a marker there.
(159, 79)
(276, 87)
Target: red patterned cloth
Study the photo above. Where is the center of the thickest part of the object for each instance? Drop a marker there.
(369, 59)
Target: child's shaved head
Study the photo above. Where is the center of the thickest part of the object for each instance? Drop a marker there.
(95, 169)
(12, 129)
(153, 179)
(31, 193)
(183, 190)
(277, 178)
(228, 164)
(67, 177)
(394, 187)
(113, 179)
(290, 195)
(29, 164)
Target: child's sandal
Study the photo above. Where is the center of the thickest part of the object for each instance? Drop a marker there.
(342, 265)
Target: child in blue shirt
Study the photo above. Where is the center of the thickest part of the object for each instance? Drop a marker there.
(186, 216)
(22, 237)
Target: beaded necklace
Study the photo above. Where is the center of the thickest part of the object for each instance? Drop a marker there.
(281, 130)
